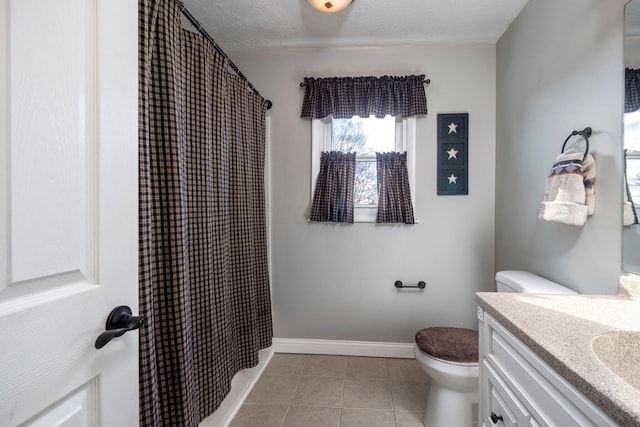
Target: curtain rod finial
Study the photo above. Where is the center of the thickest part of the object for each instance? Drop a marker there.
(268, 104)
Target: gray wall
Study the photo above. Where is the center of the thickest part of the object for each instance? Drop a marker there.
(336, 282)
(559, 68)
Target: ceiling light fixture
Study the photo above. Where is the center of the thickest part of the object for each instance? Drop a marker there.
(329, 6)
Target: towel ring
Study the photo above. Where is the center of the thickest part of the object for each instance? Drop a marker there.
(585, 133)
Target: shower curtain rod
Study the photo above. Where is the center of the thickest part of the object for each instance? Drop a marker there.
(218, 49)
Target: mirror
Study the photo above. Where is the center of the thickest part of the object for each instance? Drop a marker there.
(631, 228)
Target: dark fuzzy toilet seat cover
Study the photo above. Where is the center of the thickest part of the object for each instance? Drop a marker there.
(451, 344)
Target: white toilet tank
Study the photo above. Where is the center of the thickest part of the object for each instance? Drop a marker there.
(526, 282)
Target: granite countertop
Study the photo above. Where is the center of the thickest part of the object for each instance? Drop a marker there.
(560, 330)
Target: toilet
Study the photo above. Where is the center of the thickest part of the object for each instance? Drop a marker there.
(450, 357)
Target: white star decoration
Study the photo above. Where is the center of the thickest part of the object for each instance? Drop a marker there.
(453, 128)
(453, 154)
(452, 179)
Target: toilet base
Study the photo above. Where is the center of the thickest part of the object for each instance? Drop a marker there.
(447, 407)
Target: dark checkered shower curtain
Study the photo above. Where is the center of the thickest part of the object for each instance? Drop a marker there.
(204, 288)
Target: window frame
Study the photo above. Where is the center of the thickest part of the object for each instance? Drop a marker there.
(405, 140)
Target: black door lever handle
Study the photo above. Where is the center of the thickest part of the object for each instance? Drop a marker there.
(119, 321)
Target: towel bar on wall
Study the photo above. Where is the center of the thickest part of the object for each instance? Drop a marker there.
(421, 285)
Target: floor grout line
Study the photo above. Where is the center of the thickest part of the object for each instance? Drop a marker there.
(284, 420)
(352, 372)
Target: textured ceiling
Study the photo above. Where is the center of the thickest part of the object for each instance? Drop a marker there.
(255, 24)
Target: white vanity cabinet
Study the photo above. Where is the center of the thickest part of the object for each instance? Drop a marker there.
(517, 388)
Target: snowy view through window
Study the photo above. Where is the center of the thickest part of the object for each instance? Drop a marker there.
(365, 136)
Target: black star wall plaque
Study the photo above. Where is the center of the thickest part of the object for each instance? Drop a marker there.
(453, 164)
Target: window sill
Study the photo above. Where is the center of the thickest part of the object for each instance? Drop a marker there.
(367, 221)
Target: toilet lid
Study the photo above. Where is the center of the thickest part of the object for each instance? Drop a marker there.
(450, 344)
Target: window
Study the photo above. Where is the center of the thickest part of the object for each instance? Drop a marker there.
(365, 136)
(632, 145)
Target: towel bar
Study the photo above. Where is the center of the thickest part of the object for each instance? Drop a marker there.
(421, 285)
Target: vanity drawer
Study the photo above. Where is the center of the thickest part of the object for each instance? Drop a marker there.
(547, 397)
(501, 402)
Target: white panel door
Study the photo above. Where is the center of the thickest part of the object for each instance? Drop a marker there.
(68, 211)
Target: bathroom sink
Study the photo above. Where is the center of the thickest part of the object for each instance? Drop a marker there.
(620, 352)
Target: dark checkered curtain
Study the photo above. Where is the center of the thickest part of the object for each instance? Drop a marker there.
(249, 308)
(631, 90)
(204, 288)
(345, 97)
(394, 194)
(333, 195)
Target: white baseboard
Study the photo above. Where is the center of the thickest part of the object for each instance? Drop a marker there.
(343, 348)
(241, 386)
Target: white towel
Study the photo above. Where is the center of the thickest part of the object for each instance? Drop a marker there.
(629, 216)
(569, 196)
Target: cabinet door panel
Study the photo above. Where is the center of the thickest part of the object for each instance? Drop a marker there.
(501, 402)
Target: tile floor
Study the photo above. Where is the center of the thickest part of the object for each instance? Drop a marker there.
(331, 391)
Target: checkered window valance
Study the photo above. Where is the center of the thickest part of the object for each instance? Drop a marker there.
(345, 97)
(631, 90)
